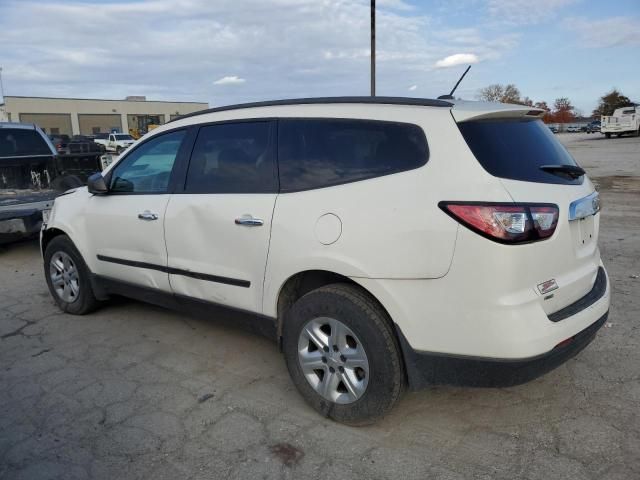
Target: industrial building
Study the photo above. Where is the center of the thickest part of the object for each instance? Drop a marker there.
(85, 116)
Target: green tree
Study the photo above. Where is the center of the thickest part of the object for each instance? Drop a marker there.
(610, 101)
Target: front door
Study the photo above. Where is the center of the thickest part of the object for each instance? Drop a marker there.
(217, 230)
(126, 226)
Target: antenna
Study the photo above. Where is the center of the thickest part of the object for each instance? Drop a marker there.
(450, 96)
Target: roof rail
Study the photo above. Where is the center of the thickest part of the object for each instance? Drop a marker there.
(423, 102)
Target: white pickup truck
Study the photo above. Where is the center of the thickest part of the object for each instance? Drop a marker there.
(624, 120)
(116, 142)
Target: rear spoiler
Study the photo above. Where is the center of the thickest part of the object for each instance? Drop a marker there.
(463, 111)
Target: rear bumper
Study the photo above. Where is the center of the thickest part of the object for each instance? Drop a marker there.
(424, 369)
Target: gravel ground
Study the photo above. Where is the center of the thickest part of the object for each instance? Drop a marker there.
(134, 391)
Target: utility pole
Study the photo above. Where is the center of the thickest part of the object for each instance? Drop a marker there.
(373, 48)
(1, 86)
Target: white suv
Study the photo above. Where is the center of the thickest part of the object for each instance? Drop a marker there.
(383, 242)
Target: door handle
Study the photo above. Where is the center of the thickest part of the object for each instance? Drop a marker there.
(249, 221)
(147, 215)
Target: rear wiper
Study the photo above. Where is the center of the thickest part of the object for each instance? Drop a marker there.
(572, 171)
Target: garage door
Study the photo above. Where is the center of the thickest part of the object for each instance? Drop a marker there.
(98, 123)
(51, 123)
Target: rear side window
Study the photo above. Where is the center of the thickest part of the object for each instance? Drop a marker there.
(516, 150)
(233, 158)
(317, 153)
(15, 142)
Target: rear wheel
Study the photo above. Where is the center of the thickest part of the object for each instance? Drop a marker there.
(342, 355)
(607, 135)
(68, 277)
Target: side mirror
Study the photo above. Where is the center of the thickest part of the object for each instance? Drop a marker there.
(97, 185)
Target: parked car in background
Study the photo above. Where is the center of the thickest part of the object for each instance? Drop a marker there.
(83, 144)
(553, 128)
(59, 141)
(116, 142)
(456, 243)
(593, 127)
(573, 128)
(624, 120)
(32, 174)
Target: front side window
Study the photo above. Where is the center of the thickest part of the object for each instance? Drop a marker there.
(233, 158)
(147, 169)
(317, 153)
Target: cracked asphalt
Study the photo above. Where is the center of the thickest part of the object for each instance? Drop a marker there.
(134, 391)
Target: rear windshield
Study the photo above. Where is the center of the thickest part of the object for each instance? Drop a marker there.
(516, 149)
(17, 142)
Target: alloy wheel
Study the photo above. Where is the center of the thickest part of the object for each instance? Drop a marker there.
(64, 277)
(333, 360)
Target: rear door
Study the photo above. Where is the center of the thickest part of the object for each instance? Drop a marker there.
(534, 168)
(218, 228)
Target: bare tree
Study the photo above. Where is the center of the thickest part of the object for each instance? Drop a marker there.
(500, 93)
(563, 110)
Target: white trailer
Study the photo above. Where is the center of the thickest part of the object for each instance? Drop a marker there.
(624, 120)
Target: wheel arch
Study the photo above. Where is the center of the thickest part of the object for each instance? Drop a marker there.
(301, 283)
(48, 235)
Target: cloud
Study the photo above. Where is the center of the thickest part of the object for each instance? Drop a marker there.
(457, 59)
(229, 80)
(413, 88)
(608, 32)
(522, 12)
(297, 48)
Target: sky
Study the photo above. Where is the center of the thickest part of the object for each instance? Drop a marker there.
(234, 51)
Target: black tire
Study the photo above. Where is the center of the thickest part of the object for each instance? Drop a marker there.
(85, 302)
(119, 150)
(370, 323)
(607, 135)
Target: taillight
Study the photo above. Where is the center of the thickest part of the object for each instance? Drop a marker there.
(505, 222)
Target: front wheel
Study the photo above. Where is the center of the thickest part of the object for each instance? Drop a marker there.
(342, 354)
(68, 277)
(607, 135)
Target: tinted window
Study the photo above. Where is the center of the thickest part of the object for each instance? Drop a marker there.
(16, 142)
(316, 153)
(147, 168)
(233, 158)
(517, 149)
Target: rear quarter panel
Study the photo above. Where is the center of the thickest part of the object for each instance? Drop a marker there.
(391, 226)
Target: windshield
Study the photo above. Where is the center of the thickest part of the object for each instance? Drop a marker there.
(124, 137)
(516, 149)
